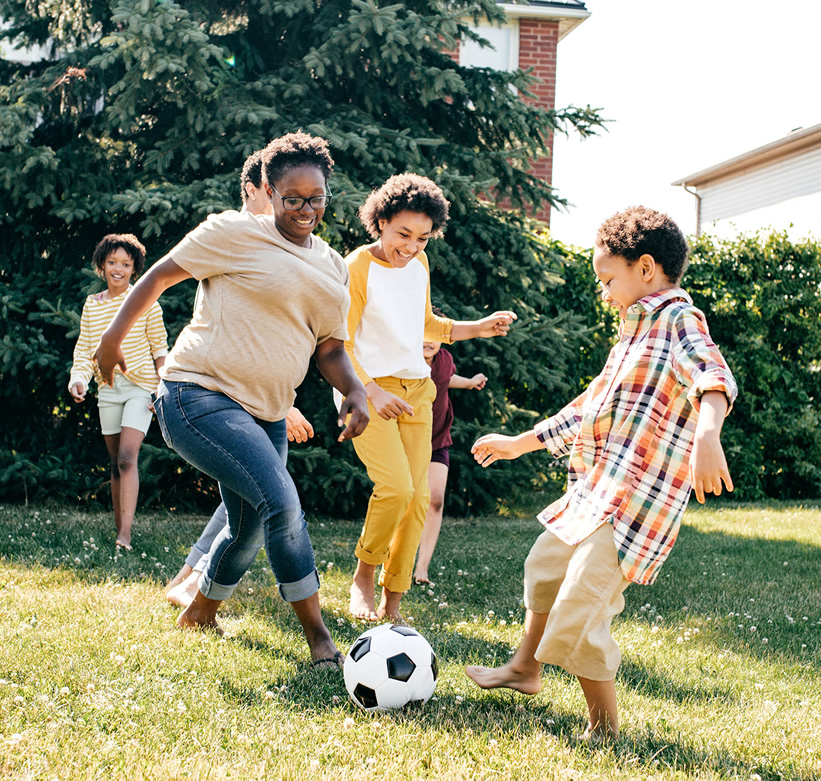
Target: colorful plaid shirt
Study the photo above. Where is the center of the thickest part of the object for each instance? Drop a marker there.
(630, 434)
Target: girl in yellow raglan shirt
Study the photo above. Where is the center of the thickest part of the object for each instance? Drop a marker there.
(389, 318)
(125, 409)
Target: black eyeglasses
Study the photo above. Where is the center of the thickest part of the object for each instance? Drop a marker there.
(293, 203)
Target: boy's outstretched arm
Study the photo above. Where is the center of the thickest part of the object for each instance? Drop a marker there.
(708, 466)
(497, 447)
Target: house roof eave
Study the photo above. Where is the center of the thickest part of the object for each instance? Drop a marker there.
(568, 16)
(796, 142)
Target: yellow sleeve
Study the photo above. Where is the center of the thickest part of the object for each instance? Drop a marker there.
(82, 367)
(437, 329)
(358, 288)
(155, 332)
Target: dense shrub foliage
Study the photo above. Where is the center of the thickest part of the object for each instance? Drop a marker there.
(140, 120)
(762, 296)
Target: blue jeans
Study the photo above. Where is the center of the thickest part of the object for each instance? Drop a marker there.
(217, 436)
(198, 557)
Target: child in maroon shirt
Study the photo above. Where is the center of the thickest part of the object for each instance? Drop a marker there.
(443, 374)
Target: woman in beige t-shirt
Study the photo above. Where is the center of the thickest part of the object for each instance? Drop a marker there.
(273, 295)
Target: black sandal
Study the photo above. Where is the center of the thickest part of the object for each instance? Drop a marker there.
(337, 660)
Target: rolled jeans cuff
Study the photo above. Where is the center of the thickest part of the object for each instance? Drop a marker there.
(300, 589)
(197, 559)
(290, 592)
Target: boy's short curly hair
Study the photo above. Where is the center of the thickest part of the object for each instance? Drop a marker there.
(637, 231)
(292, 151)
(405, 192)
(251, 172)
(113, 241)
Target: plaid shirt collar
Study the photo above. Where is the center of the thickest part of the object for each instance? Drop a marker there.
(650, 304)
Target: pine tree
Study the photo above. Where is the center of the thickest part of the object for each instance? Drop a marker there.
(140, 121)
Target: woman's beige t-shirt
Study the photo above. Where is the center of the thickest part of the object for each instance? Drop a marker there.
(263, 307)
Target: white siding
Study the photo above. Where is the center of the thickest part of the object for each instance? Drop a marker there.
(781, 181)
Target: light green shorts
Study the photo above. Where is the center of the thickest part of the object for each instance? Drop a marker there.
(125, 405)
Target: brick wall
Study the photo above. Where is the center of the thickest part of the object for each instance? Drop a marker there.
(538, 39)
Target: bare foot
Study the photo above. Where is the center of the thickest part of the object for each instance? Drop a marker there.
(183, 593)
(421, 578)
(389, 607)
(122, 545)
(525, 681)
(597, 737)
(362, 605)
(201, 614)
(184, 572)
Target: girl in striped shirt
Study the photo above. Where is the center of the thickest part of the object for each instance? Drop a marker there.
(125, 408)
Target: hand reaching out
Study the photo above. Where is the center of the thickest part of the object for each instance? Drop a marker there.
(297, 426)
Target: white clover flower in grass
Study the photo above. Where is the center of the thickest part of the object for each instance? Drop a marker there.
(348, 723)
(269, 695)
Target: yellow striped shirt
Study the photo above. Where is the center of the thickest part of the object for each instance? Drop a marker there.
(145, 342)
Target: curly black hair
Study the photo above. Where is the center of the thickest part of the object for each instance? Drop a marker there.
(405, 192)
(637, 231)
(292, 151)
(129, 242)
(251, 172)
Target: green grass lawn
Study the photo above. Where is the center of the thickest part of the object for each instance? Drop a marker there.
(721, 675)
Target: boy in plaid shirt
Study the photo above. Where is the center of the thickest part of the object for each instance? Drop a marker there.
(644, 432)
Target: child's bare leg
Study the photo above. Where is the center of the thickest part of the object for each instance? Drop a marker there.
(523, 672)
(184, 572)
(184, 592)
(200, 614)
(602, 707)
(112, 445)
(123, 451)
(362, 601)
(389, 606)
(437, 480)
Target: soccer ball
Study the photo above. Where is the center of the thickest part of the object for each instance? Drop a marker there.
(390, 666)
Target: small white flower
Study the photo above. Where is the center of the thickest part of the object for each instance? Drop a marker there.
(348, 723)
(64, 691)
(269, 695)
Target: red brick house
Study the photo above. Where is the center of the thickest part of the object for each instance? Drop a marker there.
(529, 40)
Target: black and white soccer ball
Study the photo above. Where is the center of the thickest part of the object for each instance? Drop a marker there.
(390, 666)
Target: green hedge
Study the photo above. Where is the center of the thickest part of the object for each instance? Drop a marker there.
(763, 302)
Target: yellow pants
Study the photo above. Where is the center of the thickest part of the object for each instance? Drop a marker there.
(396, 454)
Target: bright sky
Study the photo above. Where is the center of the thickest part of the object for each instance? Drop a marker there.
(688, 84)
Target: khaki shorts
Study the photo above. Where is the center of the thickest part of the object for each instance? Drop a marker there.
(581, 587)
(125, 405)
